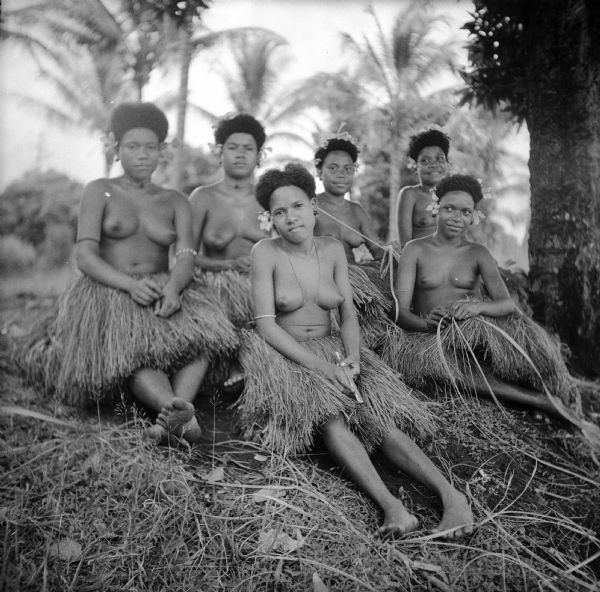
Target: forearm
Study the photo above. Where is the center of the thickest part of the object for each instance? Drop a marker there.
(350, 335)
(96, 268)
(498, 308)
(411, 322)
(181, 275)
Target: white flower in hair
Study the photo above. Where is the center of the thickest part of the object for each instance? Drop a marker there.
(264, 221)
(478, 216)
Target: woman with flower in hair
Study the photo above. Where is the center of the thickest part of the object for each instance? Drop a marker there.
(452, 337)
(225, 221)
(300, 379)
(347, 221)
(429, 150)
(130, 320)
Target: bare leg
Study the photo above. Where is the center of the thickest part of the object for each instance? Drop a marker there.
(153, 388)
(406, 455)
(187, 381)
(511, 393)
(347, 450)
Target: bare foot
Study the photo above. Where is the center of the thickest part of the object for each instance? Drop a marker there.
(179, 418)
(397, 520)
(457, 518)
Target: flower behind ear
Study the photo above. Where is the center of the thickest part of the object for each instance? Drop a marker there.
(264, 221)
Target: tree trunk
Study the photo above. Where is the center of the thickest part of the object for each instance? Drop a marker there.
(186, 59)
(395, 167)
(564, 123)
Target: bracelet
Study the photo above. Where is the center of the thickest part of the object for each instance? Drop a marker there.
(267, 316)
(183, 251)
(84, 238)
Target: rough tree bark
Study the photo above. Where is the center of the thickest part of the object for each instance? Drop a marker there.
(563, 116)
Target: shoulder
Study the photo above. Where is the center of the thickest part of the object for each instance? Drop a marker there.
(263, 247)
(408, 193)
(418, 245)
(328, 244)
(357, 209)
(480, 251)
(98, 190)
(203, 194)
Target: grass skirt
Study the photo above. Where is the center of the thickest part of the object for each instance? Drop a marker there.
(370, 301)
(423, 358)
(99, 336)
(284, 404)
(232, 290)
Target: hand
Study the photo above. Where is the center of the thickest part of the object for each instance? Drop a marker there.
(465, 309)
(242, 264)
(340, 376)
(145, 291)
(352, 363)
(436, 316)
(168, 304)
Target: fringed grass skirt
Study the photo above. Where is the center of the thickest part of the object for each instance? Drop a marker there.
(284, 404)
(232, 290)
(496, 345)
(370, 301)
(99, 337)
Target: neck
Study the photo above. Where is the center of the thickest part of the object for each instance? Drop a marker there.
(331, 198)
(138, 183)
(303, 248)
(425, 186)
(452, 241)
(246, 184)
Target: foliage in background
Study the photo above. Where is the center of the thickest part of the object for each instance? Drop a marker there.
(40, 210)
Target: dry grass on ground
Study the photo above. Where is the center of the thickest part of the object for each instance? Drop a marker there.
(86, 504)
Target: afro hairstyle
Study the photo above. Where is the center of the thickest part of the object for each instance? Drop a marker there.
(293, 174)
(429, 137)
(242, 123)
(127, 116)
(332, 145)
(465, 183)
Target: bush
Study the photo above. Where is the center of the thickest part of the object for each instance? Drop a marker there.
(15, 254)
(56, 248)
(29, 206)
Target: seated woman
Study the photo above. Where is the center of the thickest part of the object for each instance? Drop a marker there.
(495, 350)
(429, 150)
(347, 221)
(129, 320)
(225, 224)
(300, 377)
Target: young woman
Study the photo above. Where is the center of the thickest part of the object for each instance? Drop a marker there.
(224, 220)
(429, 150)
(129, 319)
(300, 379)
(438, 282)
(337, 217)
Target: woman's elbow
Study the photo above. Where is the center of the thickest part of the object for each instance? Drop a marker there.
(82, 259)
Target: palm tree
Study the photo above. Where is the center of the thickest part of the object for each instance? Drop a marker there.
(399, 71)
(250, 70)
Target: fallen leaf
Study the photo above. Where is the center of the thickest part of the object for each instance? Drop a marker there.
(272, 541)
(261, 457)
(66, 549)
(266, 493)
(217, 475)
(318, 585)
